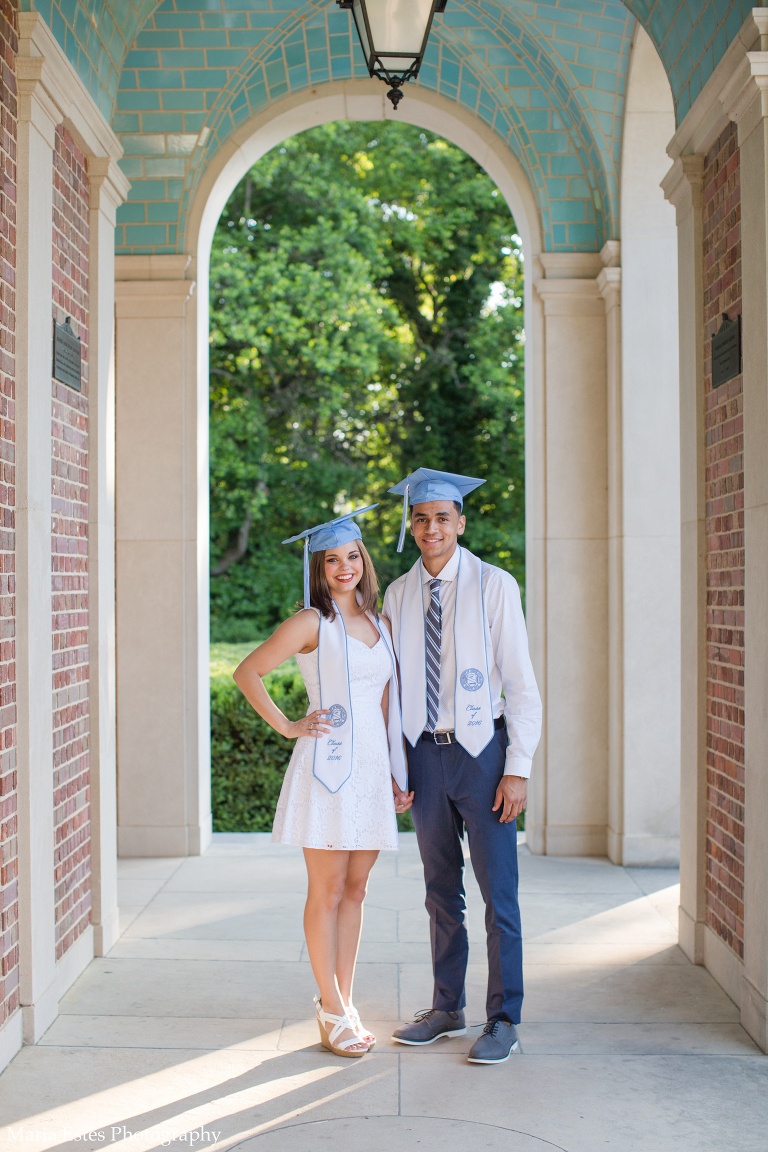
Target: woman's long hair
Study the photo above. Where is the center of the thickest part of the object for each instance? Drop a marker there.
(320, 594)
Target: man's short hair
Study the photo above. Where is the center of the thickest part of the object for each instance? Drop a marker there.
(457, 506)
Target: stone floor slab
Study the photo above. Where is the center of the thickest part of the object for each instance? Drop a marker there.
(628, 1103)
(201, 1020)
(175, 948)
(215, 988)
(383, 1133)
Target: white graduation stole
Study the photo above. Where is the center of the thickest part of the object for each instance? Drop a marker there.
(473, 707)
(332, 764)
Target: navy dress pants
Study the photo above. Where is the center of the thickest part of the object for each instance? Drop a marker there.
(454, 790)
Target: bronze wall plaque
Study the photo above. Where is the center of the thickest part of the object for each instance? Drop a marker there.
(726, 351)
(67, 358)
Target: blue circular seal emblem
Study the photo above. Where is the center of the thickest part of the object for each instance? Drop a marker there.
(336, 715)
(471, 679)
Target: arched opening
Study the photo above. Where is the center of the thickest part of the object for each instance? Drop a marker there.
(572, 367)
(366, 316)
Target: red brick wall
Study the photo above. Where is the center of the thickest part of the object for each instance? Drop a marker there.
(9, 915)
(70, 556)
(724, 494)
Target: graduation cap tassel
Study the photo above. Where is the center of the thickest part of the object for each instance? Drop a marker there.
(306, 572)
(404, 520)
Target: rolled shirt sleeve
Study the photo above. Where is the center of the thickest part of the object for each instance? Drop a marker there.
(522, 703)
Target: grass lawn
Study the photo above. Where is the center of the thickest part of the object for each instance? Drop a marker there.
(226, 657)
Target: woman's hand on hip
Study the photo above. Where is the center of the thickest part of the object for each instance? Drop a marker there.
(403, 800)
(311, 725)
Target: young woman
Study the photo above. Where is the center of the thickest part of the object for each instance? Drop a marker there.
(339, 797)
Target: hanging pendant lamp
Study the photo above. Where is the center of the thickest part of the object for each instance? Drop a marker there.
(393, 35)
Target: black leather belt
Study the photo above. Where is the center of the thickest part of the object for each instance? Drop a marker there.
(450, 737)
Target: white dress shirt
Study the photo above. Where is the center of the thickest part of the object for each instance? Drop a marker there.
(507, 641)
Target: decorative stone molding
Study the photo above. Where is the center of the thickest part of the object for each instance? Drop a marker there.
(109, 186)
(609, 286)
(151, 267)
(571, 265)
(46, 75)
(153, 299)
(720, 99)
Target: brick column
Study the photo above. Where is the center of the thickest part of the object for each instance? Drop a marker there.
(10, 1016)
(724, 529)
(37, 137)
(52, 97)
(746, 98)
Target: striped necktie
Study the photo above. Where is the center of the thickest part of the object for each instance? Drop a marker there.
(434, 630)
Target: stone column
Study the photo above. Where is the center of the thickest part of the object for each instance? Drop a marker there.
(746, 98)
(163, 754)
(109, 188)
(644, 478)
(34, 639)
(568, 815)
(683, 187)
(609, 284)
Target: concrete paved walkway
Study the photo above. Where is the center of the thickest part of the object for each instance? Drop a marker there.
(198, 1026)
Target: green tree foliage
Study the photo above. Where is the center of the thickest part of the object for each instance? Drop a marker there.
(366, 319)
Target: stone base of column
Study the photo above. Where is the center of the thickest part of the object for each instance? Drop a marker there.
(643, 851)
(106, 934)
(37, 1018)
(11, 1039)
(754, 1013)
(574, 839)
(690, 936)
(74, 962)
(724, 965)
(170, 840)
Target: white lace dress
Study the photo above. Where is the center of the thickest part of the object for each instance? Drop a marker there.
(361, 815)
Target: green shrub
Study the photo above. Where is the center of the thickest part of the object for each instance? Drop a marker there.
(248, 758)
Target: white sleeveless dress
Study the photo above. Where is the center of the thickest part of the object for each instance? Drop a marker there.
(361, 815)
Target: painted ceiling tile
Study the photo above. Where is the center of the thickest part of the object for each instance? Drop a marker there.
(168, 69)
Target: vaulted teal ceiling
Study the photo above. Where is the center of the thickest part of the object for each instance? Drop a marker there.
(548, 78)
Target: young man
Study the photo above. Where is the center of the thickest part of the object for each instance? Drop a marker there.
(459, 633)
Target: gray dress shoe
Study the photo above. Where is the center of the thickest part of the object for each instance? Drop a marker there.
(497, 1041)
(429, 1026)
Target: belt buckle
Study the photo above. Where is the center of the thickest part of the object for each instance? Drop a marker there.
(449, 739)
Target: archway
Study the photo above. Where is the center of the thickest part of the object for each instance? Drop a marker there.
(162, 328)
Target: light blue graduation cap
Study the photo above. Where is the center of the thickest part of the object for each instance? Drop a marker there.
(328, 535)
(427, 484)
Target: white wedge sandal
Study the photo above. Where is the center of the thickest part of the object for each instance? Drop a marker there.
(332, 1026)
(362, 1031)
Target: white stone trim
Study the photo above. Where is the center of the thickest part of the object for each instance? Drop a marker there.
(152, 298)
(42, 59)
(151, 267)
(11, 1039)
(74, 962)
(683, 188)
(714, 105)
(724, 964)
(570, 265)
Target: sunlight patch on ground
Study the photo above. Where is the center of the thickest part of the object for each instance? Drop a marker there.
(108, 1111)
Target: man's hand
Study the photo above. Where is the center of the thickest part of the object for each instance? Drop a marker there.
(513, 793)
(403, 800)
